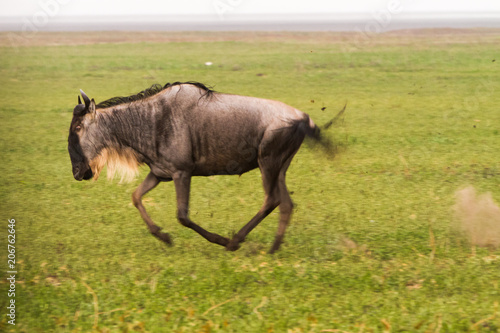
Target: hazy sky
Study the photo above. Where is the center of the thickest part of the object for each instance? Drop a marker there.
(210, 7)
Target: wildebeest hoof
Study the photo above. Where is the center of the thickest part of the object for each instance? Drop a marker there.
(233, 245)
(164, 237)
(274, 248)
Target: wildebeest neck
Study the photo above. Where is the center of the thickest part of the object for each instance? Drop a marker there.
(125, 134)
(130, 126)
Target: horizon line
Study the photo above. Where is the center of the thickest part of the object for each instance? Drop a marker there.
(380, 22)
(232, 14)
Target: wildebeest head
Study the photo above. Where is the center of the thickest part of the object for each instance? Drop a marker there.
(80, 147)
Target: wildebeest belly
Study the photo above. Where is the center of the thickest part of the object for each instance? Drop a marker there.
(227, 167)
(226, 158)
(226, 151)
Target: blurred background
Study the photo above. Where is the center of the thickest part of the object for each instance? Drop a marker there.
(216, 15)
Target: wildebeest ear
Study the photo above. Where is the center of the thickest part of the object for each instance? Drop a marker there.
(86, 99)
(79, 100)
(91, 108)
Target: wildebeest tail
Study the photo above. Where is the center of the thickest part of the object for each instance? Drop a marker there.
(313, 131)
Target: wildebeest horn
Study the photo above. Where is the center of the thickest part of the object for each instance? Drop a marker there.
(86, 99)
(79, 100)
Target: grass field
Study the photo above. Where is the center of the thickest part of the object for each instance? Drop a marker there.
(371, 247)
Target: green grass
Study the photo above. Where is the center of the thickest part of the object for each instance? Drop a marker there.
(422, 122)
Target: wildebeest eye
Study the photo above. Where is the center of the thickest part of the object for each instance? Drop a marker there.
(78, 128)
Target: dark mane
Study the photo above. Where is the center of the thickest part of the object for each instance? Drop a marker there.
(153, 90)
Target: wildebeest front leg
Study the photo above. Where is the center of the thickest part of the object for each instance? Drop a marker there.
(182, 183)
(147, 185)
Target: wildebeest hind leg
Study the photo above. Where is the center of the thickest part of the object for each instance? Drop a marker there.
(286, 207)
(271, 201)
(147, 185)
(182, 183)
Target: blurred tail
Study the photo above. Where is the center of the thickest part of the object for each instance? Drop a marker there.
(314, 132)
(336, 118)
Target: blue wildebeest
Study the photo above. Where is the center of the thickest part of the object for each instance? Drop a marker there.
(182, 130)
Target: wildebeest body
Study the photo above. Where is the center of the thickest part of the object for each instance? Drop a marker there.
(187, 130)
(213, 135)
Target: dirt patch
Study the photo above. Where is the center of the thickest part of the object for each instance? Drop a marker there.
(478, 217)
(400, 37)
